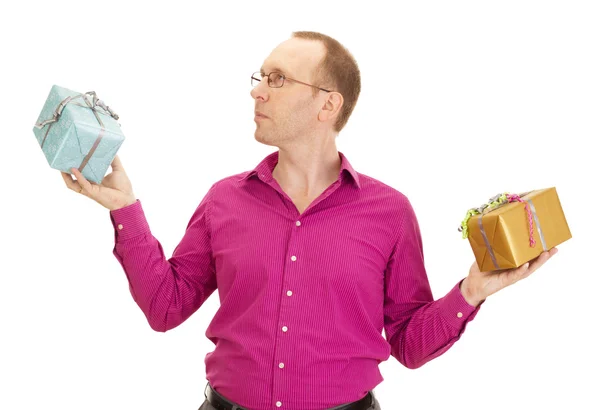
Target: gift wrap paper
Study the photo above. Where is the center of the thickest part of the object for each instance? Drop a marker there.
(500, 237)
(85, 135)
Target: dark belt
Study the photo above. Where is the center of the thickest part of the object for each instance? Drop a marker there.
(221, 403)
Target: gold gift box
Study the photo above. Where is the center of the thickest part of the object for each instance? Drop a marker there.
(500, 235)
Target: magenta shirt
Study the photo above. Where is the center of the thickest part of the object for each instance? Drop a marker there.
(304, 298)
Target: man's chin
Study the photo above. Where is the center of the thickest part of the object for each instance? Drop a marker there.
(262, 138)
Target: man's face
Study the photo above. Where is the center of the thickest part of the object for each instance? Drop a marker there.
(292, 111)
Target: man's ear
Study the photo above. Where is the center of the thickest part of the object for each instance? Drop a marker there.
(331, 107)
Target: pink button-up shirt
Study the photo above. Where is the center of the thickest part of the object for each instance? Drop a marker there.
(304, 298)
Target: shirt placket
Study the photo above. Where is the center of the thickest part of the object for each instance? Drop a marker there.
(288, 304)
(288, 307)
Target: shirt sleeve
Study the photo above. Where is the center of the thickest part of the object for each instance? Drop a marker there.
(418, 327)
(168, 291)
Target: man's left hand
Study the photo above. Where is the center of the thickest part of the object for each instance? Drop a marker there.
(477, 286)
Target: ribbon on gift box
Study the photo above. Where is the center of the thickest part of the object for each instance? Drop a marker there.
(495, 202)
(95, 105)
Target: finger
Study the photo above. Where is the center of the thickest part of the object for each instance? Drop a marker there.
(523, 271)
(539, 261)
(82, 182)
(520, 273)
(116, 164)
(70, 182)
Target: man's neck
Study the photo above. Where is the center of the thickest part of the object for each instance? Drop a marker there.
(307, 171)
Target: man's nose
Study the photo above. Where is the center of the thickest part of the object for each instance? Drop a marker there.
(261, 90)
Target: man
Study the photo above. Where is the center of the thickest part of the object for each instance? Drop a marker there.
(312, 259)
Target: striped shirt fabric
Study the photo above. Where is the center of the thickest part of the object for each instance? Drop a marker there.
(304, 298)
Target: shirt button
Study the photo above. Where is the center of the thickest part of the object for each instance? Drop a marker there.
(289, 293)
(278, 404)
(297, 223)
(281, 365)
(284, 328)
(120, 226)
(459, 314)
(293, 258)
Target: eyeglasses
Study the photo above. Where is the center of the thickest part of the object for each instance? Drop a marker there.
(276, 80)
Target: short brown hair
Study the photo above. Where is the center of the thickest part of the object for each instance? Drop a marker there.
(337, 69)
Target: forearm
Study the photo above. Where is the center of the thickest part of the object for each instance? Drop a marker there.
(432, 329)
(167, 291)
(150, 278)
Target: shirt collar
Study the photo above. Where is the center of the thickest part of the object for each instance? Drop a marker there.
(265, 168)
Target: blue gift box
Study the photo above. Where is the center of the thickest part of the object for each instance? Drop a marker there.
(78, 130)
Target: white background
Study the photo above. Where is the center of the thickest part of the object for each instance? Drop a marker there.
(461, 100)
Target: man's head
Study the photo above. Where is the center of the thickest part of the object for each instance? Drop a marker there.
(297, 111)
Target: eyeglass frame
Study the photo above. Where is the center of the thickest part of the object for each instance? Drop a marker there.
(283, 82)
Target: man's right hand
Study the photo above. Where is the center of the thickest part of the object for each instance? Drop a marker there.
(113, 192)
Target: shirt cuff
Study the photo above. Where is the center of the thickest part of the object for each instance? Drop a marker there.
(455, 310)
(129, 221)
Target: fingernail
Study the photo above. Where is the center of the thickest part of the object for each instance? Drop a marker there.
(526, 265)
